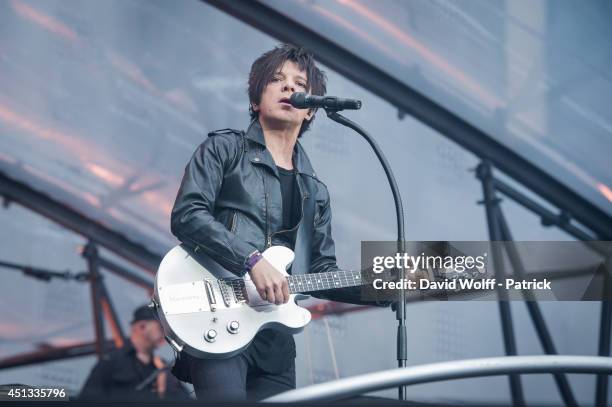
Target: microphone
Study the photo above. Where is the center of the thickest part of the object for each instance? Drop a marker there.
(301, 100)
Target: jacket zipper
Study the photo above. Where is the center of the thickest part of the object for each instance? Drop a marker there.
(268, 237)
(233, 224)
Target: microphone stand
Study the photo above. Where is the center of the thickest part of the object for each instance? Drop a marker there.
(149, 379)
(400, 306)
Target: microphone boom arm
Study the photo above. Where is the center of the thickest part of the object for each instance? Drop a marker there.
(400, 306)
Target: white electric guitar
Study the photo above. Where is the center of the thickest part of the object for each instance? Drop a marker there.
(210, 313)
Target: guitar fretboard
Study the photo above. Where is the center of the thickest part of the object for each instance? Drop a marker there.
(303, 283)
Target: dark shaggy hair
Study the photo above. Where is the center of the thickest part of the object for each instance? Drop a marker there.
(267, 65)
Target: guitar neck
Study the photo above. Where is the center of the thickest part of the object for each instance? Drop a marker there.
(303, 283)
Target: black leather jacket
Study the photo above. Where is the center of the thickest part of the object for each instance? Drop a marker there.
(229, 204)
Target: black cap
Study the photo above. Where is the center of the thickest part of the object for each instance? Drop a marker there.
(144, 313)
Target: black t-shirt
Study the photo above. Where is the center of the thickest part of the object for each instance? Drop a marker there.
(272, 350)
(291, 206)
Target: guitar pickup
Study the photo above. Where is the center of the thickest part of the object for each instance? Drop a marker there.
(210, 293)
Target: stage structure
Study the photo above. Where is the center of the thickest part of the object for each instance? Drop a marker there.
(576, 215)
(572, 206)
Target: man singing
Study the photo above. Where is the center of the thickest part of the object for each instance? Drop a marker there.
(243, 192)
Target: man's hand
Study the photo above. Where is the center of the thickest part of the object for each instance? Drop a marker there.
(162, 377)
(271, 285)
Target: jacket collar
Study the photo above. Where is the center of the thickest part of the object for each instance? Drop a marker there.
(300, 159)
(255, 133)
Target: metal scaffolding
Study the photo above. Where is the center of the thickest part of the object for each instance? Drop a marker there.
(493, 154)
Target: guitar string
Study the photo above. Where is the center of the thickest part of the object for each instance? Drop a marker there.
(334, 279)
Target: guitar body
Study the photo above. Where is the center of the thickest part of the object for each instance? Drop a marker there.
(210, 313)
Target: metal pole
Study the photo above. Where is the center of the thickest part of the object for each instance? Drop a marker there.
(601, 389)
(491, 202)
(103, 233)
(534, 310)
(400, 311)
(429, 373)
(53, 354)
(111, 316)
(91, 254)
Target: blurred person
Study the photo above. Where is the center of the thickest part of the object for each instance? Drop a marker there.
(243, 192)
(134, 372)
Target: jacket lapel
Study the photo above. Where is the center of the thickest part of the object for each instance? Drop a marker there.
(263, 156)
(259, 155)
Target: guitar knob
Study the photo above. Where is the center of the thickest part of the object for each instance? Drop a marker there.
(233, 327)
(210, 335)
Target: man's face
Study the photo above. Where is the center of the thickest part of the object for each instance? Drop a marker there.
(153, 333)
(274, 107)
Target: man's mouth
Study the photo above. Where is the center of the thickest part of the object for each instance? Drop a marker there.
(285, 101)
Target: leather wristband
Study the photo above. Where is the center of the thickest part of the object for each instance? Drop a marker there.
(252, 260)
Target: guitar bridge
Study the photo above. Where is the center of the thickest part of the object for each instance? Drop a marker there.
(225, 293)
(238, 290)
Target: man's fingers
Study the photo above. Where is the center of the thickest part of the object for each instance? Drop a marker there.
(285, 291)
(278, 294)
(270, 294)
(262, 293)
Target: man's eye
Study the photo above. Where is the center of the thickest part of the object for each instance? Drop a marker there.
(275, 79)
(303, 85)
